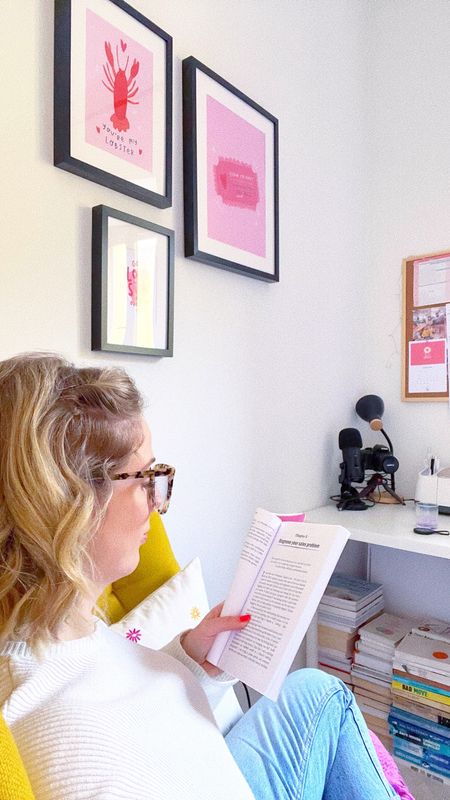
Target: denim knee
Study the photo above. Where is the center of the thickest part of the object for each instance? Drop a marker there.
(315, 681)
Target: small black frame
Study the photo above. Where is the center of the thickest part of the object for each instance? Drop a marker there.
(162, 305)
(158, 191)
(199, 178)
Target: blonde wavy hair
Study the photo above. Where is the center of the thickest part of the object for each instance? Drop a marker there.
(63, 431)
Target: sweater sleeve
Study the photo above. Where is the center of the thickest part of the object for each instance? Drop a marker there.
(214, 688)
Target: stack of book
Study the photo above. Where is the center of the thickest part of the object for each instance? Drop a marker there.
(372, 669)
(420, 714)
(347, 603)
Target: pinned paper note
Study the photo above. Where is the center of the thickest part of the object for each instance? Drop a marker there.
(432, 280)
(428, 366)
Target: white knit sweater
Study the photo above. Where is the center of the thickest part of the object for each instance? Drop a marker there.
(102, 718)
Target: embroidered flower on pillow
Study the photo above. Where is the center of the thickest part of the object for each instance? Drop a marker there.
(178, 604)
(133, 634)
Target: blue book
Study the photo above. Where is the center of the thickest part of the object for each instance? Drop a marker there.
(419, 724)
(426, 715)
(435, 760)
(429, 742)
(430, 775)
(347, 591)
(411, 752)
(401, 753)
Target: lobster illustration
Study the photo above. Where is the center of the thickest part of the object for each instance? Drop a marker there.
(122, 88)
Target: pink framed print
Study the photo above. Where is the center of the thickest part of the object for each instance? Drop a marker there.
(230, 176)
(132, 284)
(113, 98)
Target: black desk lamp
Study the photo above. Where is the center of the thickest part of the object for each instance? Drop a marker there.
(371, 409)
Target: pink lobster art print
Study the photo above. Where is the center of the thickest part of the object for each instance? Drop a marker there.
(122, 88)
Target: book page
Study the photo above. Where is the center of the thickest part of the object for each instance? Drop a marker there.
(282, 604)
(258, 542)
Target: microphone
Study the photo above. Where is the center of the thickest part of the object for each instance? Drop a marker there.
(350, 443)
(352, 470)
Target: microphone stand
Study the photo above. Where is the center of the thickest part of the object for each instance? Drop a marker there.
(350, 499)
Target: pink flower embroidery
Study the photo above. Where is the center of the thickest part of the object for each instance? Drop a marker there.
(133, 634)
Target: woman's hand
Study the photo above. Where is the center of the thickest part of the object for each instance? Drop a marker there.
(198, 641)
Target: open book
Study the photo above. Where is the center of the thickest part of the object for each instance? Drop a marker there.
(283, 571)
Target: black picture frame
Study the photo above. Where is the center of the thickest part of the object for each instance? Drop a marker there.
(136, 161)
(231, 176)
(131, 258)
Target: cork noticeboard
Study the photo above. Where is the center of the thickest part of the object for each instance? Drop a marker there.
(426, 293)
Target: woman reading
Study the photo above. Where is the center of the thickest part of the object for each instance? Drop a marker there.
(94, 716)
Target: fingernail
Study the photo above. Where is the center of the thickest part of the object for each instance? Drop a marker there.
(245, 617)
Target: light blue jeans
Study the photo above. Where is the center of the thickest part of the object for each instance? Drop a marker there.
(312, 744)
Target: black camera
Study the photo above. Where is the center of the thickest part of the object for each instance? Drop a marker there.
(379, 459)
(358, 459)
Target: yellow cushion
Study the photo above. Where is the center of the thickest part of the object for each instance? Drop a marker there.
(14, 783)
(156, 565)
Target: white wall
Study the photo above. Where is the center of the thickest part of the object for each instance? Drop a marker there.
(409, 215)
(263, 376)
(410, 203)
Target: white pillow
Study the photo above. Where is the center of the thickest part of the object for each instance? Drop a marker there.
(177, 605)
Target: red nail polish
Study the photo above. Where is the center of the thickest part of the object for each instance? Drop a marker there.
(245, 617)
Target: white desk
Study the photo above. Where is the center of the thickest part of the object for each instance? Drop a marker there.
(385, 525)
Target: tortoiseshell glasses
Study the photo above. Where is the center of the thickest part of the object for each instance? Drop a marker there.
(159, 486)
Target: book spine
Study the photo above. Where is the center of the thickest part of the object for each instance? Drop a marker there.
(369, 700)
(427, 741)
(442, 635)
(414, 666)
(335, 669)
(421, 724)
(338, 602)
(380, 664)
(333, 612)
(376, 644)
(433, 777)
(402, 750)
(440, 763)
(372, 684)
(358, 604)
(421, 676)
(428, 712)
(411, 681)
(421, 701)
(418, 691)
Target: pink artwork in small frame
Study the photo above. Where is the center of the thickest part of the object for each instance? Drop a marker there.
(132, 284)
